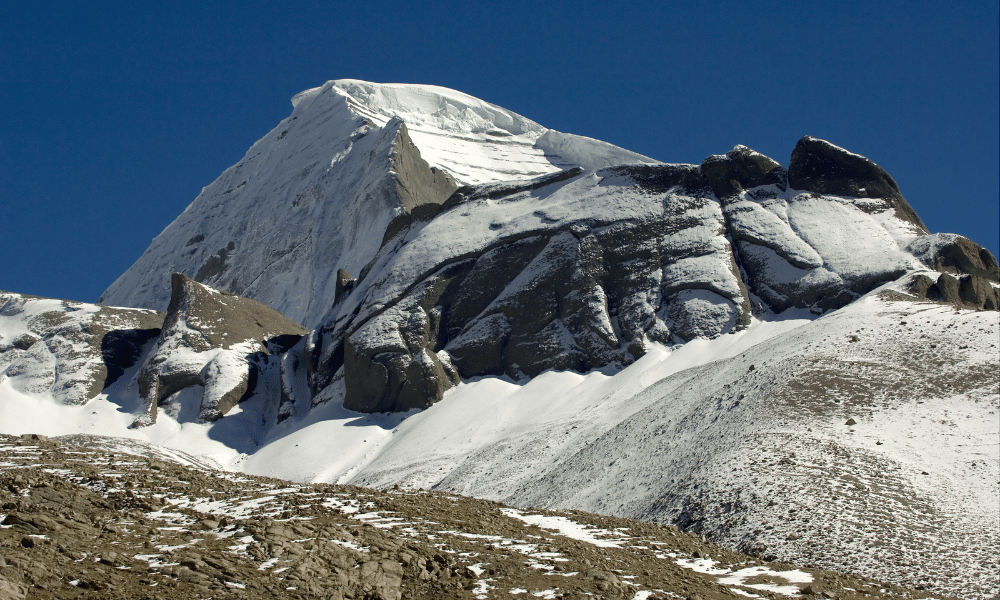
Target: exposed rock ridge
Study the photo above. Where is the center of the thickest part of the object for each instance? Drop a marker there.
(214, 340)
(819, 166)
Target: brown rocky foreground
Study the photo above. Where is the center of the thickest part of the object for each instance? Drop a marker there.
(79, 519)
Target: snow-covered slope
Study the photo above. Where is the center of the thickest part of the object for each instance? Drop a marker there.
(863, 441)
(475, 141)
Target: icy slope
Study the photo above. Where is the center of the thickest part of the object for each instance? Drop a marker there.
(474, 141)
(317, 193)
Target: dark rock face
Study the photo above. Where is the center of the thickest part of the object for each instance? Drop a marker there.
(210, 339)
(819, 166)
(122, 348)
(216, 264)
(967, 272)
(964, 291)
(416, 183)
(951, 253)
(581, 297)
(741, 169)
(345, 284)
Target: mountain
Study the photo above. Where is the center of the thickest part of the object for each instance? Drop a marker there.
(405, 285)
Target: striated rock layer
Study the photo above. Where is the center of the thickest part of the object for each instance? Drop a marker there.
(584, 269)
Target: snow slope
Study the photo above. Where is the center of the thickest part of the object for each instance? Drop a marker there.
(743, 438)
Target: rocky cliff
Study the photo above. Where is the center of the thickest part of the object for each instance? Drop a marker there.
(583, 269)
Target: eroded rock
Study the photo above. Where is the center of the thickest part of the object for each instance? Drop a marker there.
(214, 340)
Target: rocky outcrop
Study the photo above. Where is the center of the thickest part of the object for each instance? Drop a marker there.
(580, 295)
(964, 291)
(214, 341)
(820, 167)
(968, 273)
(415, 183)
(951, 253)
(70, 351)
(741, 169)
(684, 257)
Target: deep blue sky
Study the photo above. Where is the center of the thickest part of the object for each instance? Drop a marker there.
(116, 114)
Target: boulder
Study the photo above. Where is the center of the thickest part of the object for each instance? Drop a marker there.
(976, 292)
(951, 253)
(964, 291)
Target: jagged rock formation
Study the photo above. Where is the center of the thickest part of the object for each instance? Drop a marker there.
(213, 340)
(70, 351)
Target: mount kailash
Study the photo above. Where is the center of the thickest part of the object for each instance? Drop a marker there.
(405, 285)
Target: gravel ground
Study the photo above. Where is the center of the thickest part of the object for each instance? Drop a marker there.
(80, 521)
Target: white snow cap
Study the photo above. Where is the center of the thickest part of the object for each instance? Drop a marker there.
(475, 141)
